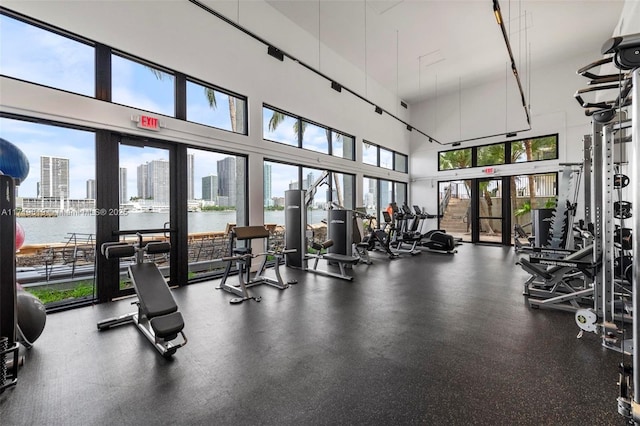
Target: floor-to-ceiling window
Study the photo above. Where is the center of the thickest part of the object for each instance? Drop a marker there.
(529, 193)
(378, 194)
(216, 185)
(56, 210)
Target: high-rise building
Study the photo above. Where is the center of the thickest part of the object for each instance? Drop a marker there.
(268, 202)
(142, 180)
(227, 181)
(54, 177)
(91, 189)
(122, 186)
(158, 181)
(190, 177)
(210, 188)
(309, 181)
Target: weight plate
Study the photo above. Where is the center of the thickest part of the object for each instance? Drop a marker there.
(622, 267)
(620, 180)
(623, 236)
(622, 210)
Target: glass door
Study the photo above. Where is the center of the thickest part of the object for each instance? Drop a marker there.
(454, 209)
(489, 220)
(144, 198)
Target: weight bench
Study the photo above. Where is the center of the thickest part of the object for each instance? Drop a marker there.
(341, 259)
(551, 286)
(157, 317)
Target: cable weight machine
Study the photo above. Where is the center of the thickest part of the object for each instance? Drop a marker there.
(615, 226)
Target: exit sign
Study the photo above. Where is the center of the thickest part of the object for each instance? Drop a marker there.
(147, 122)
(489, 170)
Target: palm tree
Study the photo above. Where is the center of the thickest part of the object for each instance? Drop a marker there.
(277, 118)
(211, 98)
(210, 94)
(457, 159)
(528, 147)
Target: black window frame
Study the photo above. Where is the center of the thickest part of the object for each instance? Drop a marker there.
(507, 153)
(300, 119)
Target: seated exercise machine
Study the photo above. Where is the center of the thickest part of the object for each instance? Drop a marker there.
(157, 317)
(242, 257)
(342, 260)
(560, 283)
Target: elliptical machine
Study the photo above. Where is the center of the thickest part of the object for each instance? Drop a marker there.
(436, 240)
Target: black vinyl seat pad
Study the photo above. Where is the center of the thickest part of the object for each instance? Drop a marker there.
(154, 295)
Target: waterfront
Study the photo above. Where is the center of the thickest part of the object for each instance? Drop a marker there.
(48, 230)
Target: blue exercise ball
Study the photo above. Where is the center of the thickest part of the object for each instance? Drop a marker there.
(13, 162)
(32, 318)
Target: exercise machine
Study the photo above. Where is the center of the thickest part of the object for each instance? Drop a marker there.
(563, 283)
(376, 239)
(614, 145)
(9, 347)
(157, 317)
(335, 251)
(14, 168)
(399, 231)
(343, 261)
(436, 240)
(242, 257)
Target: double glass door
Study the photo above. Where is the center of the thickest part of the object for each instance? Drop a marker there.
(472, 209)
(485, 210)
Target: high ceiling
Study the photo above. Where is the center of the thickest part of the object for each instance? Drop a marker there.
(415, 48)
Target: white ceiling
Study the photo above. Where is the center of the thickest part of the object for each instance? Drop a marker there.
(415, 48)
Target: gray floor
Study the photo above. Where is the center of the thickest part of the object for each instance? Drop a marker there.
(431, 339)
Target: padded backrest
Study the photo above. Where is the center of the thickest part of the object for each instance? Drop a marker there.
(386, 216)
(154, 295)
(250, 232)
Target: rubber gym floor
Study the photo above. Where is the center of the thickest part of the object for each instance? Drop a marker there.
(432, 339)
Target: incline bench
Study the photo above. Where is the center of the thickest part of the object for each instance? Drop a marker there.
(157, 317)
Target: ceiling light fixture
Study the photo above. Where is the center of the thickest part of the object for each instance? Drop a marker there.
(275, 52)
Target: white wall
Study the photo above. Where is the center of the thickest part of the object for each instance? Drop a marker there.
(181, 36)
(553, 110)
(483, 110)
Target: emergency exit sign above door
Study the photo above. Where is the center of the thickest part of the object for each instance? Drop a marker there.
(147, 122)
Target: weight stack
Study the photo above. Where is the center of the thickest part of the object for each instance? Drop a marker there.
(340, 231)
(295, 222)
